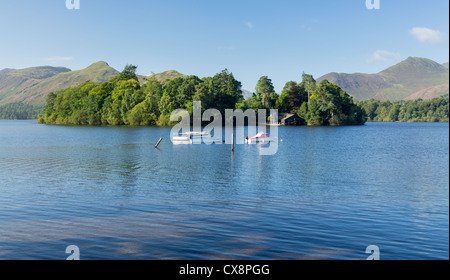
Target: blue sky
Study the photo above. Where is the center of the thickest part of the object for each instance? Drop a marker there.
(280, 39)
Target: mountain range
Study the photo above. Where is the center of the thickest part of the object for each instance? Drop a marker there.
(412, 78)
(32, 85)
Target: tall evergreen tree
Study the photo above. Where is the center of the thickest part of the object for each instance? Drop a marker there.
(264, 89)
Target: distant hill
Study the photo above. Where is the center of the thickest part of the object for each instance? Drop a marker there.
(161, 77)
(13, 81)
(429, 93)
(412, 78)
(5, 71)
(408, 79)
(167, 75)
(32, 85)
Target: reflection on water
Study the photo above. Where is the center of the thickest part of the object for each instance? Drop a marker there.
(327, 194)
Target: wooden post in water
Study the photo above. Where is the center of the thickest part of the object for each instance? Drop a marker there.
(160, 139)
(232, 143)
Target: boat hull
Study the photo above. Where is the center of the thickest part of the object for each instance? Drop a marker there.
(259, 140)
(184, 140)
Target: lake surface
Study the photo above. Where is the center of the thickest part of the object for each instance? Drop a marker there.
(328, 193)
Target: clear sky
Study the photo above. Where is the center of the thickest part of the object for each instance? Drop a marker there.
(251, 38)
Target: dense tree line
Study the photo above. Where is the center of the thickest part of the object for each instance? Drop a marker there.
(433, 110)
(124, 101)
(318, 104)
(19, 111)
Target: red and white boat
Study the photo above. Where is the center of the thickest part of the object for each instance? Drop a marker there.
(260, 137)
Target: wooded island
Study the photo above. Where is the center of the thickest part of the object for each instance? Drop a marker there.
(125, 101)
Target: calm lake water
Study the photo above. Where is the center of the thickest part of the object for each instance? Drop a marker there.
(328, 193)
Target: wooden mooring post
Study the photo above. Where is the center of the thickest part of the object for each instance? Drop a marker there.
(160, 139)
(232, 143)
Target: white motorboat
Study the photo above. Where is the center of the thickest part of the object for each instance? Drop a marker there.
(259, 138)
(190, 137)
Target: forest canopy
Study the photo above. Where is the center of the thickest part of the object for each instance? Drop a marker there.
(124, 101)
(19, 111)
(433, 110)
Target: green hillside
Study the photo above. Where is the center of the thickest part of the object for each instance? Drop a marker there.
(32, 85)
(167, 75)
(23, 92)
(398, 82)
(13, 81)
